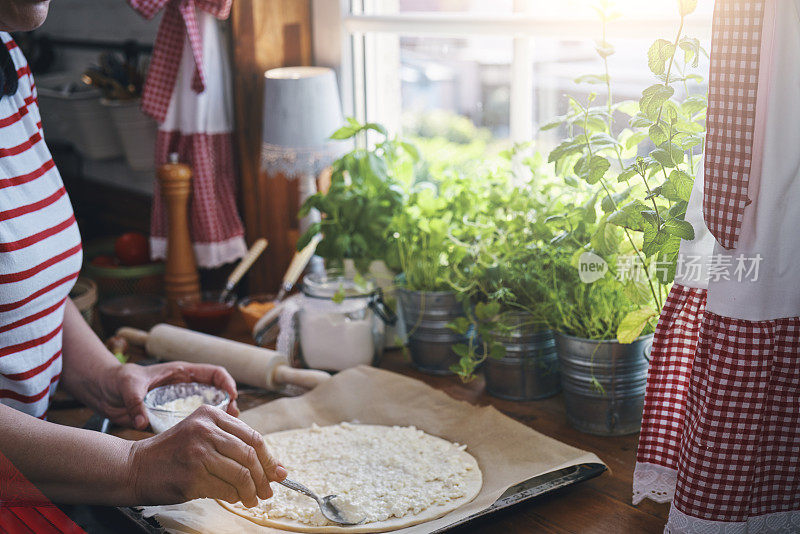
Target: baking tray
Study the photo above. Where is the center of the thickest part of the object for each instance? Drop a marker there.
(99, 520)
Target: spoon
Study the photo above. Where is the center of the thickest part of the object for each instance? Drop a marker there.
(328, 509)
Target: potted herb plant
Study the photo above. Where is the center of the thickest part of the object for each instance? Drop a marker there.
(429, 237)
(367, 191)
(604, 326)
(509, 294)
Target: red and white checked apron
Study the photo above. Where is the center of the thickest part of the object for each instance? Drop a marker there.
(721, 429)
(188, 92)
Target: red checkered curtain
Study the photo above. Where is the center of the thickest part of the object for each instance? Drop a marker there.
(188, 92)
(721, 428)
(730, 121)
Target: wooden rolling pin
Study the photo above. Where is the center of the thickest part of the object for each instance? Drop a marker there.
(247, 364)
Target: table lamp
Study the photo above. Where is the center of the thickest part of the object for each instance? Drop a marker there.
(301, 111)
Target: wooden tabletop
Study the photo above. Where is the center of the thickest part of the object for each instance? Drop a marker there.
(600, 505)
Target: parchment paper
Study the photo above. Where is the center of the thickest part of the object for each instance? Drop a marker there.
(508, 452)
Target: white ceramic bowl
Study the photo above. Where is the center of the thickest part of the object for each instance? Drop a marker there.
(165, 417)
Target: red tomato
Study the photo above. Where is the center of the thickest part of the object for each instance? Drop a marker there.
(132, 248)
(105, 261)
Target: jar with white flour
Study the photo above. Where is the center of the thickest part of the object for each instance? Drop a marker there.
(339, 322)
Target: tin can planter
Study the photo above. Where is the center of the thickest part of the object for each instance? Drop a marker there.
(426, 315)
(604, 383)
(529, 370)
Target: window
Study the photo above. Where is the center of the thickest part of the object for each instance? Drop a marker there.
(491, 70)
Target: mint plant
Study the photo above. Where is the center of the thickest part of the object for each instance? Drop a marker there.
(642, 174)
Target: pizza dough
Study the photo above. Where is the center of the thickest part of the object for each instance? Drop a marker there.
(396, 477)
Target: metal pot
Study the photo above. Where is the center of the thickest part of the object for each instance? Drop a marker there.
(621, 371)
(529, 369)
(426, 315)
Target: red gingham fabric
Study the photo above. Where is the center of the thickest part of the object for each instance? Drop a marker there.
(740, 455)
(733, 87)
(674, 346)
(212, 211)
(179, 22)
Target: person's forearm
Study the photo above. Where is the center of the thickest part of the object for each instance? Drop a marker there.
(68, 465)
(86, 359)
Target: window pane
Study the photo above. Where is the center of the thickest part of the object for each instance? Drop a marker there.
(466, 77)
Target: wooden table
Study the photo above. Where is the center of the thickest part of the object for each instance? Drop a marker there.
(600, 505)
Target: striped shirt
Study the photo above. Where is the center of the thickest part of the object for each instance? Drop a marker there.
(40, 251)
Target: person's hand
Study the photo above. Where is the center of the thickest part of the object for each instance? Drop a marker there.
(123, 388)
(208, 454)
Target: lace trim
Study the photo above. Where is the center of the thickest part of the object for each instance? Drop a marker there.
(654, 482)
(208, 255)
(293, 162)
(777, 523)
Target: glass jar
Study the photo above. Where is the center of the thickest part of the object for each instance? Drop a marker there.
(340, 322)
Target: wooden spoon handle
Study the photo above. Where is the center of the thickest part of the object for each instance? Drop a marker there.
(252, 255)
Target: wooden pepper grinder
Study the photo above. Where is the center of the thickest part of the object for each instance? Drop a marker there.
(181, 276)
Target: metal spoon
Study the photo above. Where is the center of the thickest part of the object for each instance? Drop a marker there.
(327, 508)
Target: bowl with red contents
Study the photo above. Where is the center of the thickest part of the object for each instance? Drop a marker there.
(205, 312)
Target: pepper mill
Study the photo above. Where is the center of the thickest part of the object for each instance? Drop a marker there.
(181, 276)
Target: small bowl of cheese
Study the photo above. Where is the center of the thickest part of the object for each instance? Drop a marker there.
(169, 405)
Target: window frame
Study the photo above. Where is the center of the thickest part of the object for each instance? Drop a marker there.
(340, 42)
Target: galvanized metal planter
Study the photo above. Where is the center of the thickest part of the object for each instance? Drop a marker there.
(529, 370)
(426, 315)
(621, 371)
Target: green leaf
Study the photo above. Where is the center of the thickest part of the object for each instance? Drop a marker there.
(589, 211)
(641, 121)
(690, 141)
(652, 217)
(608, 203)
(460, 325)
(635, 139)
(338, 297)
(497, 351)
(658, 54)
(592, 78)
(604, 48)
(345, 132)
(628, 107)
(631, 326)
(486, 311)
(411, 149)
(679, 228)
(629, 216)
(553, 124)
(461, 349)
(658, 134)
(653, 240)
(567, 147)
(592, 169)
(605, 240)
(691, 49)
(627, 174)
(686, 7)
(683, 184)
(653, 98)
(376, 127)
(689, 127)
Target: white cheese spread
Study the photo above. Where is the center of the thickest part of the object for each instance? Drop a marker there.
(184, 405)
(377, 472)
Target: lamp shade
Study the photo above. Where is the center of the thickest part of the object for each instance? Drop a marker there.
(301, 110)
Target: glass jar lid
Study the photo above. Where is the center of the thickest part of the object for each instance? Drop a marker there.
(334, 286)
